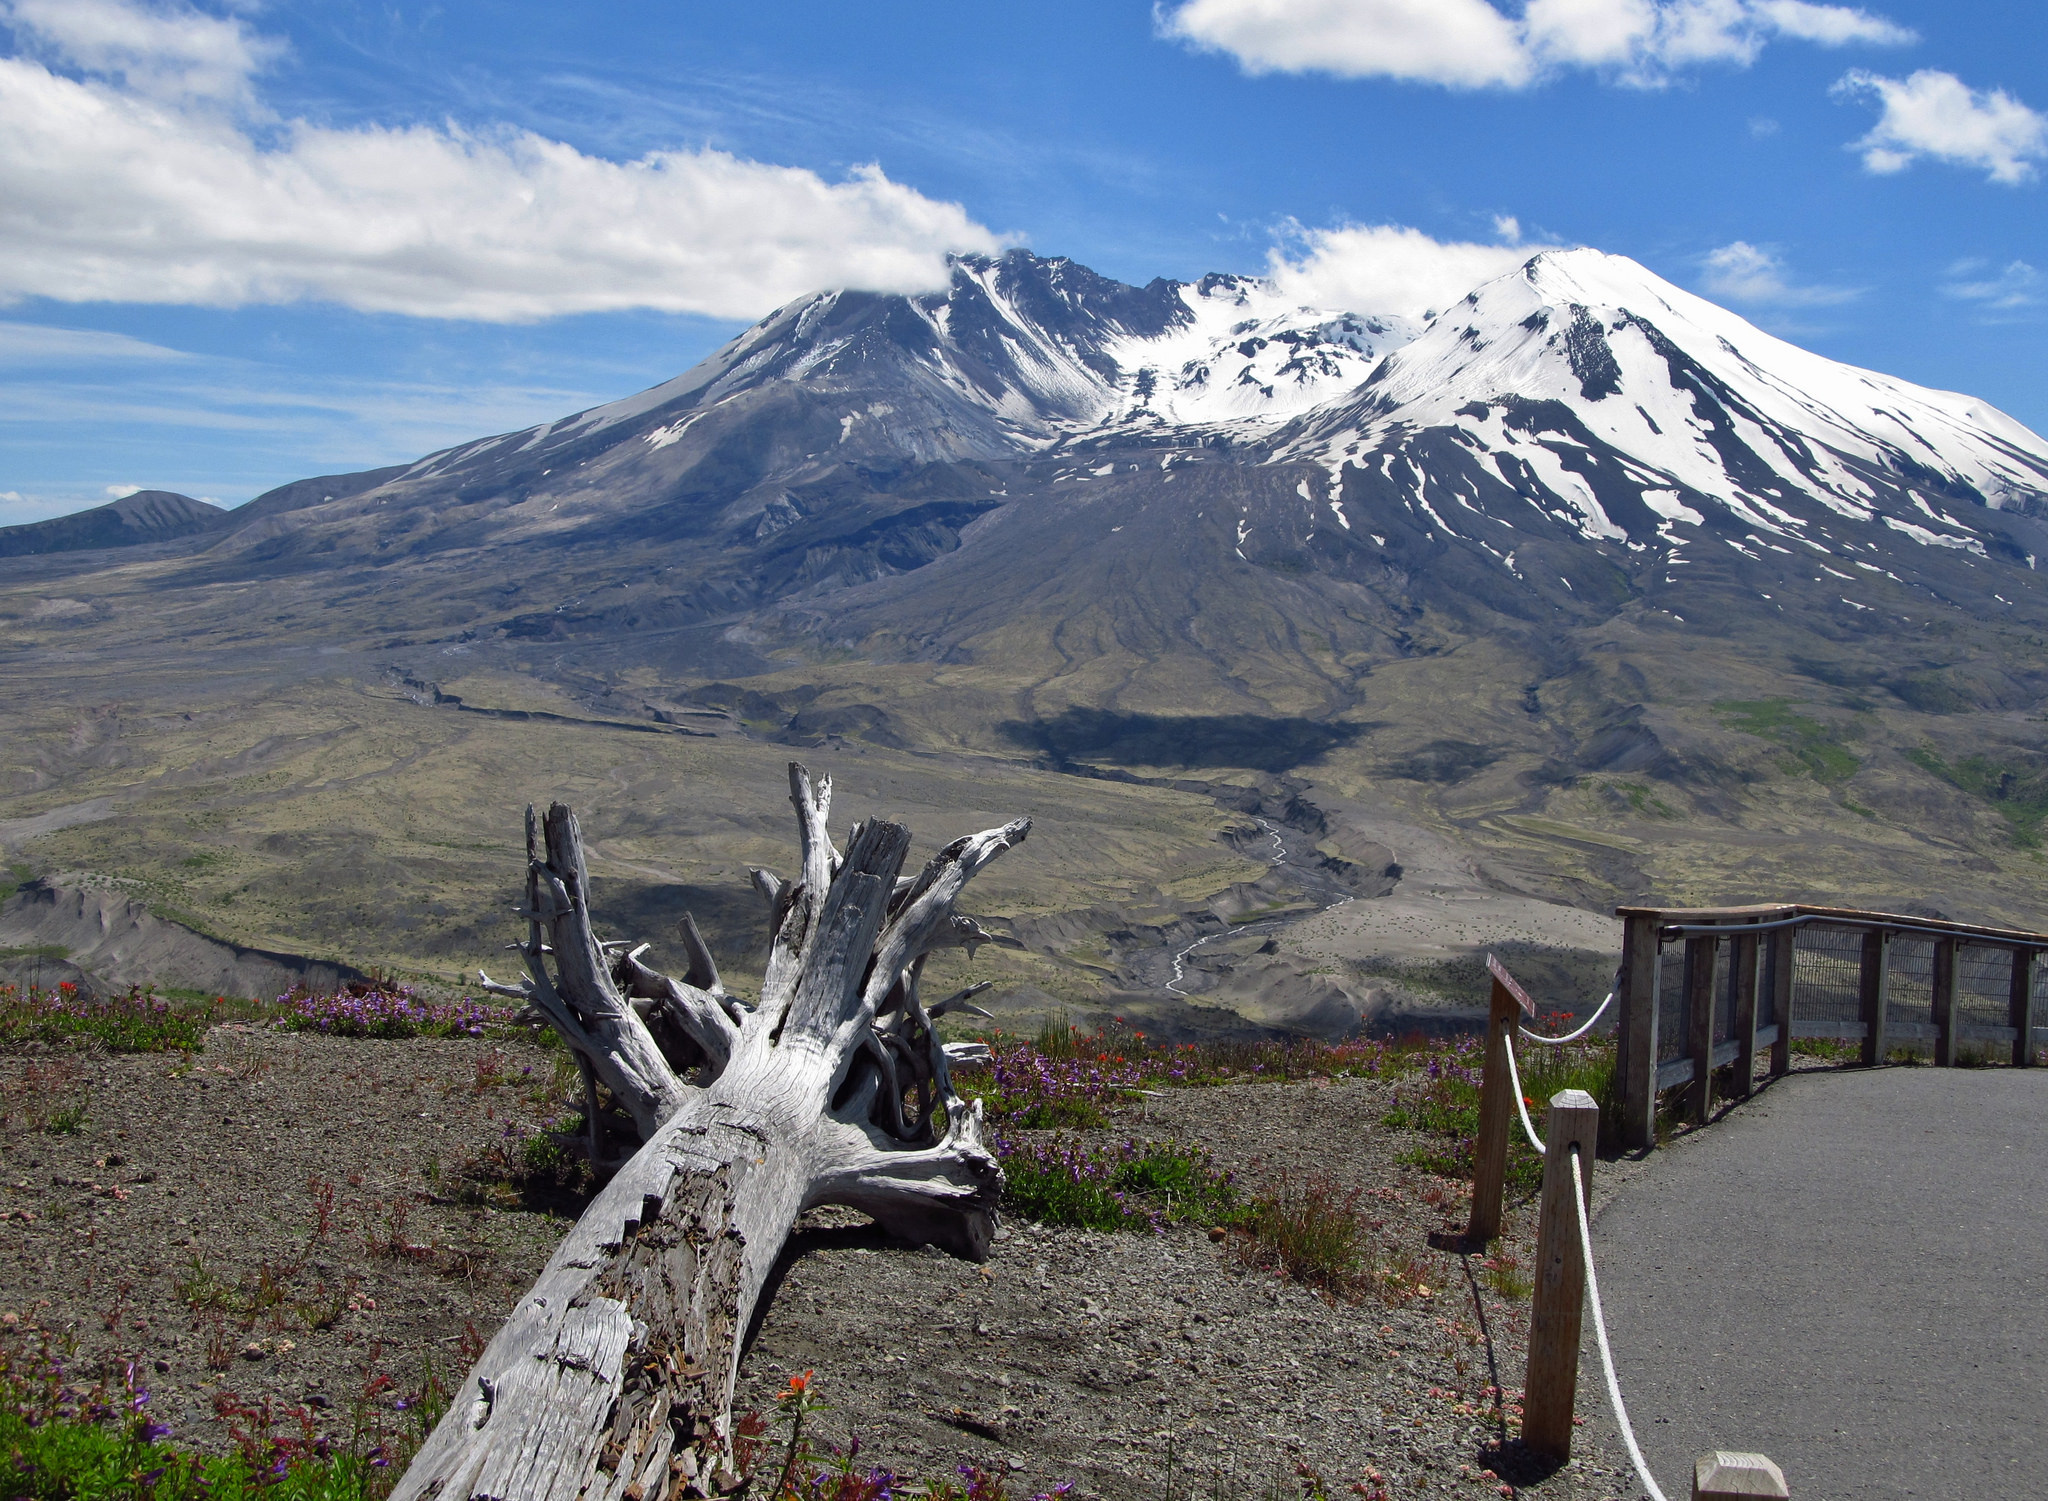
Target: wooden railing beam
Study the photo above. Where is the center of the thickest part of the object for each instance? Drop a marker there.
(1784, 959)
(2021, 1007)
(1638, 1039)
(1702, 959)
(1744, 955)
(1873, 994)
(1947, 953)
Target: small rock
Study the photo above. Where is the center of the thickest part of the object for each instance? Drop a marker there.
(162, 1366)
(253, 1351)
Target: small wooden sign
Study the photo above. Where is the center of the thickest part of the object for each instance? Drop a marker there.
(1510, 984)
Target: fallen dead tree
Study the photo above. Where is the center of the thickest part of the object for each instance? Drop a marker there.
(612, 1379)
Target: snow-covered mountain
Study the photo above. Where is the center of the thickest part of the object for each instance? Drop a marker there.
(1569, 425)
(1018, 353)
(1585, 386)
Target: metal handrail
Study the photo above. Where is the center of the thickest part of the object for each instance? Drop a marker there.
(1874, 920)
(1725, 920)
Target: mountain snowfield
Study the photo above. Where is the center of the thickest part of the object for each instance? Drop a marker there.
(1578, 353)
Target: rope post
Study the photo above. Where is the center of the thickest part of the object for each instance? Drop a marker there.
(1638, 1042)
(2021, 1007)
(1551, 1390)
(1490, 1159)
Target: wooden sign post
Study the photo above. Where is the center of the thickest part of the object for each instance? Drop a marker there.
(1496, 1103)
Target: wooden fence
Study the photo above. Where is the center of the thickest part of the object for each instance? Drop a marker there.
(1706, 986)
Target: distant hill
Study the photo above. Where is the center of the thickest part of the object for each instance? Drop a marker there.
(145, 516)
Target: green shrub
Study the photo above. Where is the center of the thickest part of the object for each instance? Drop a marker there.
(1135, 1186)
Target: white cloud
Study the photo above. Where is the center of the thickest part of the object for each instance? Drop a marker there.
(1742, 272)
(1465, 43)
(1832, 25)
(1936, 114)
(121, 492)
(117, 190)
(2016, 285)
(1472, 44)
(1385, 268)
(167, 50)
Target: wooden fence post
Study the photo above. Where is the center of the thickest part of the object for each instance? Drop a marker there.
(1784, 955)
(1638, 1042)
(1873, 993)
(1702, 960)
(1496, 1105)
(2021, 1010)
(1947, 953)
(1552, 1386)
(1744, 955)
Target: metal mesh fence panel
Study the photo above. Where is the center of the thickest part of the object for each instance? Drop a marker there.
(2040, 1002)
(1767, 983)
(1983, 986)
(1827, 963)
(1724, 989)
(1911, 989)
(1671, 1017)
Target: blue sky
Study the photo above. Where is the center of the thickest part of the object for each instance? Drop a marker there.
(241, 244)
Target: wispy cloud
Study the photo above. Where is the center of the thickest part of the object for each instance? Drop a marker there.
(1473, 44)
(210, 425)
(165, 52)
(2007, 288)
(144, 180)
(1756, 275)
(1936, 114)
(40, 344)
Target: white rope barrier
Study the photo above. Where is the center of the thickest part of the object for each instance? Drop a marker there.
(1522, 1105)
(1591, 1022)
(1588, 1024)
(1628, 1434)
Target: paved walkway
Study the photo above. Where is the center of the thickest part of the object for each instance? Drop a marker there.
(1849, 1274)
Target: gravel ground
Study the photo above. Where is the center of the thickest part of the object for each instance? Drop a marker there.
(1150, 1365)
(206, 1174)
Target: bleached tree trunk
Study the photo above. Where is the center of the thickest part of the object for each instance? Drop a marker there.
(612, 1380)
